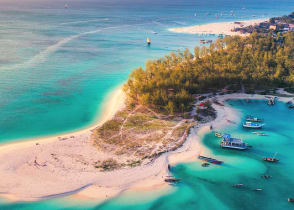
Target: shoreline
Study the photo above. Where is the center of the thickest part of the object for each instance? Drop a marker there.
(224, 28)
(72, 177)
(114, 102)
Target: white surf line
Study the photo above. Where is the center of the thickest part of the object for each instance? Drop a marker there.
(85, 21)
(43, 55)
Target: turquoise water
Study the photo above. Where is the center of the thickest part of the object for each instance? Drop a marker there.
(57, 66)
(211, 187)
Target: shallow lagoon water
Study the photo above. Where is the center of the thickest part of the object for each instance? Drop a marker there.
(58, 65)
(211, 187)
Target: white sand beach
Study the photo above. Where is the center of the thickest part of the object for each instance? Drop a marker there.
(217, 28)
(56, 167)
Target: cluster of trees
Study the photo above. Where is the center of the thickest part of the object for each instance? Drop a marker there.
(287, 19)
(256, 61)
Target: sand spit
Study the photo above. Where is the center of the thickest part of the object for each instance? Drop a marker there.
(57, 167)
(217, 28)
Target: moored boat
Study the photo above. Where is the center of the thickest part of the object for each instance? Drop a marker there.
(218, 134)
(253, 119)
(291, 200)
(249, 124)
(233, 143)
(271, 102)
(172, 180)
(238, 185)
(205, 164)
(210, 160)
(148, 41)
(272, 160)
(260, 133)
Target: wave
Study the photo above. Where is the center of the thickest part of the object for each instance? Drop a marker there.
(43, 55)
(180, 23)
(84, 21)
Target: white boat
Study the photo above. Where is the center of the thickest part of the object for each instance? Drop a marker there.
(253, 119)
(249, 124)
(148, 41)
(233, 143)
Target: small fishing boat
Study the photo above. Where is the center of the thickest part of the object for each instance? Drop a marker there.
(205, 164)
(271, 102)
(148, 41)
(210, 160)
(249, 124)
(260, 133)
(265, 176)
(291, 106)
(258, 189)
(172, 180)
(291, 200)
(218, 134)
(253, 119)
(233, 143)
(272, 160)
(238, 185)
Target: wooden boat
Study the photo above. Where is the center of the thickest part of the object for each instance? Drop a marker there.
(205, 164)
(272, 160)
(233, 143)
(253, 119)
(210, 160)
(291, 200)
(238, 185)
(265, 176)
(271, 102)
(260, 133)
(172, 180)
(218, 134)
(249, 124)
(148, 41)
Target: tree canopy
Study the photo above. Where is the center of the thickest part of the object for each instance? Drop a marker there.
(257, 61)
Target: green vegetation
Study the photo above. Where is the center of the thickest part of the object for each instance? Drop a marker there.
(258, 61)
(137, 134)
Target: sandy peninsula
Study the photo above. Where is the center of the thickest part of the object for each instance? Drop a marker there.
(225, 28)
(61, 166)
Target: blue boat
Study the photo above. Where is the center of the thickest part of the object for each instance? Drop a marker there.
(210, 160)
(233, 143)
(249, 124)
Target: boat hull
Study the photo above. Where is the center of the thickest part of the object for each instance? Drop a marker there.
(233, 147)
(252, 126)
(210, 160)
